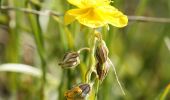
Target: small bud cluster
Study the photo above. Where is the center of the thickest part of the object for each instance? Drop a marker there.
(70, 60)
(101, 52)
(100, 67)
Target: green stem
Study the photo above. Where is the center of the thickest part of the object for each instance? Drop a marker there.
(92, 59)
(12, 50)
(97, 88)
(0, 3)
(165, 93)
(40, 46)
(83, 49)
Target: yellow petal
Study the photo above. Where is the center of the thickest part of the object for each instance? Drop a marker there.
(102, 2)
(77, 3)
(71, 15)
(88, 3)
(77, 11)
(92, 19)
(113, 16)
(68, 19)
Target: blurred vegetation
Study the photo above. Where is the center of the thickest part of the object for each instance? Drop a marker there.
(140, 52)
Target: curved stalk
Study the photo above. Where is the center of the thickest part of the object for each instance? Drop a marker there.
(83, 49)
(114, 69)
(92, 59)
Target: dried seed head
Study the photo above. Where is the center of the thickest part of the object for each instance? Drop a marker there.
(70, 60)
(101, 52)
(78, 92)
(102, 70)
(85, 89)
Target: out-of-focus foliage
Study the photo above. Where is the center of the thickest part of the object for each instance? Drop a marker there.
(140, 51)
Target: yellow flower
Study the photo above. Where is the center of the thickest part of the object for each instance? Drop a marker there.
(95, 13)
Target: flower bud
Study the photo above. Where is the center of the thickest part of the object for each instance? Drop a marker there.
(101, 52)
(78, 92)
(70, 60)
(85, 89)
(102, 70)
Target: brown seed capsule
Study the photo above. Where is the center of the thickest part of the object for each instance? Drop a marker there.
(101, 52)
(78, 92)
(102, 70)
(70, 60)
(85, 89)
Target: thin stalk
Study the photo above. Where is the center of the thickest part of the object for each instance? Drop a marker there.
(91, 62)
(83, 49)
(165, 93)
(114, 69)
(91, 59)
(12, 51)
(41, 51)
(0, 3)
(97, 88)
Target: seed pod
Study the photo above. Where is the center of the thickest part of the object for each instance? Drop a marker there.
(101, 52)
(85, 89)
(79, 92)
(102, 70)
(70, 60)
